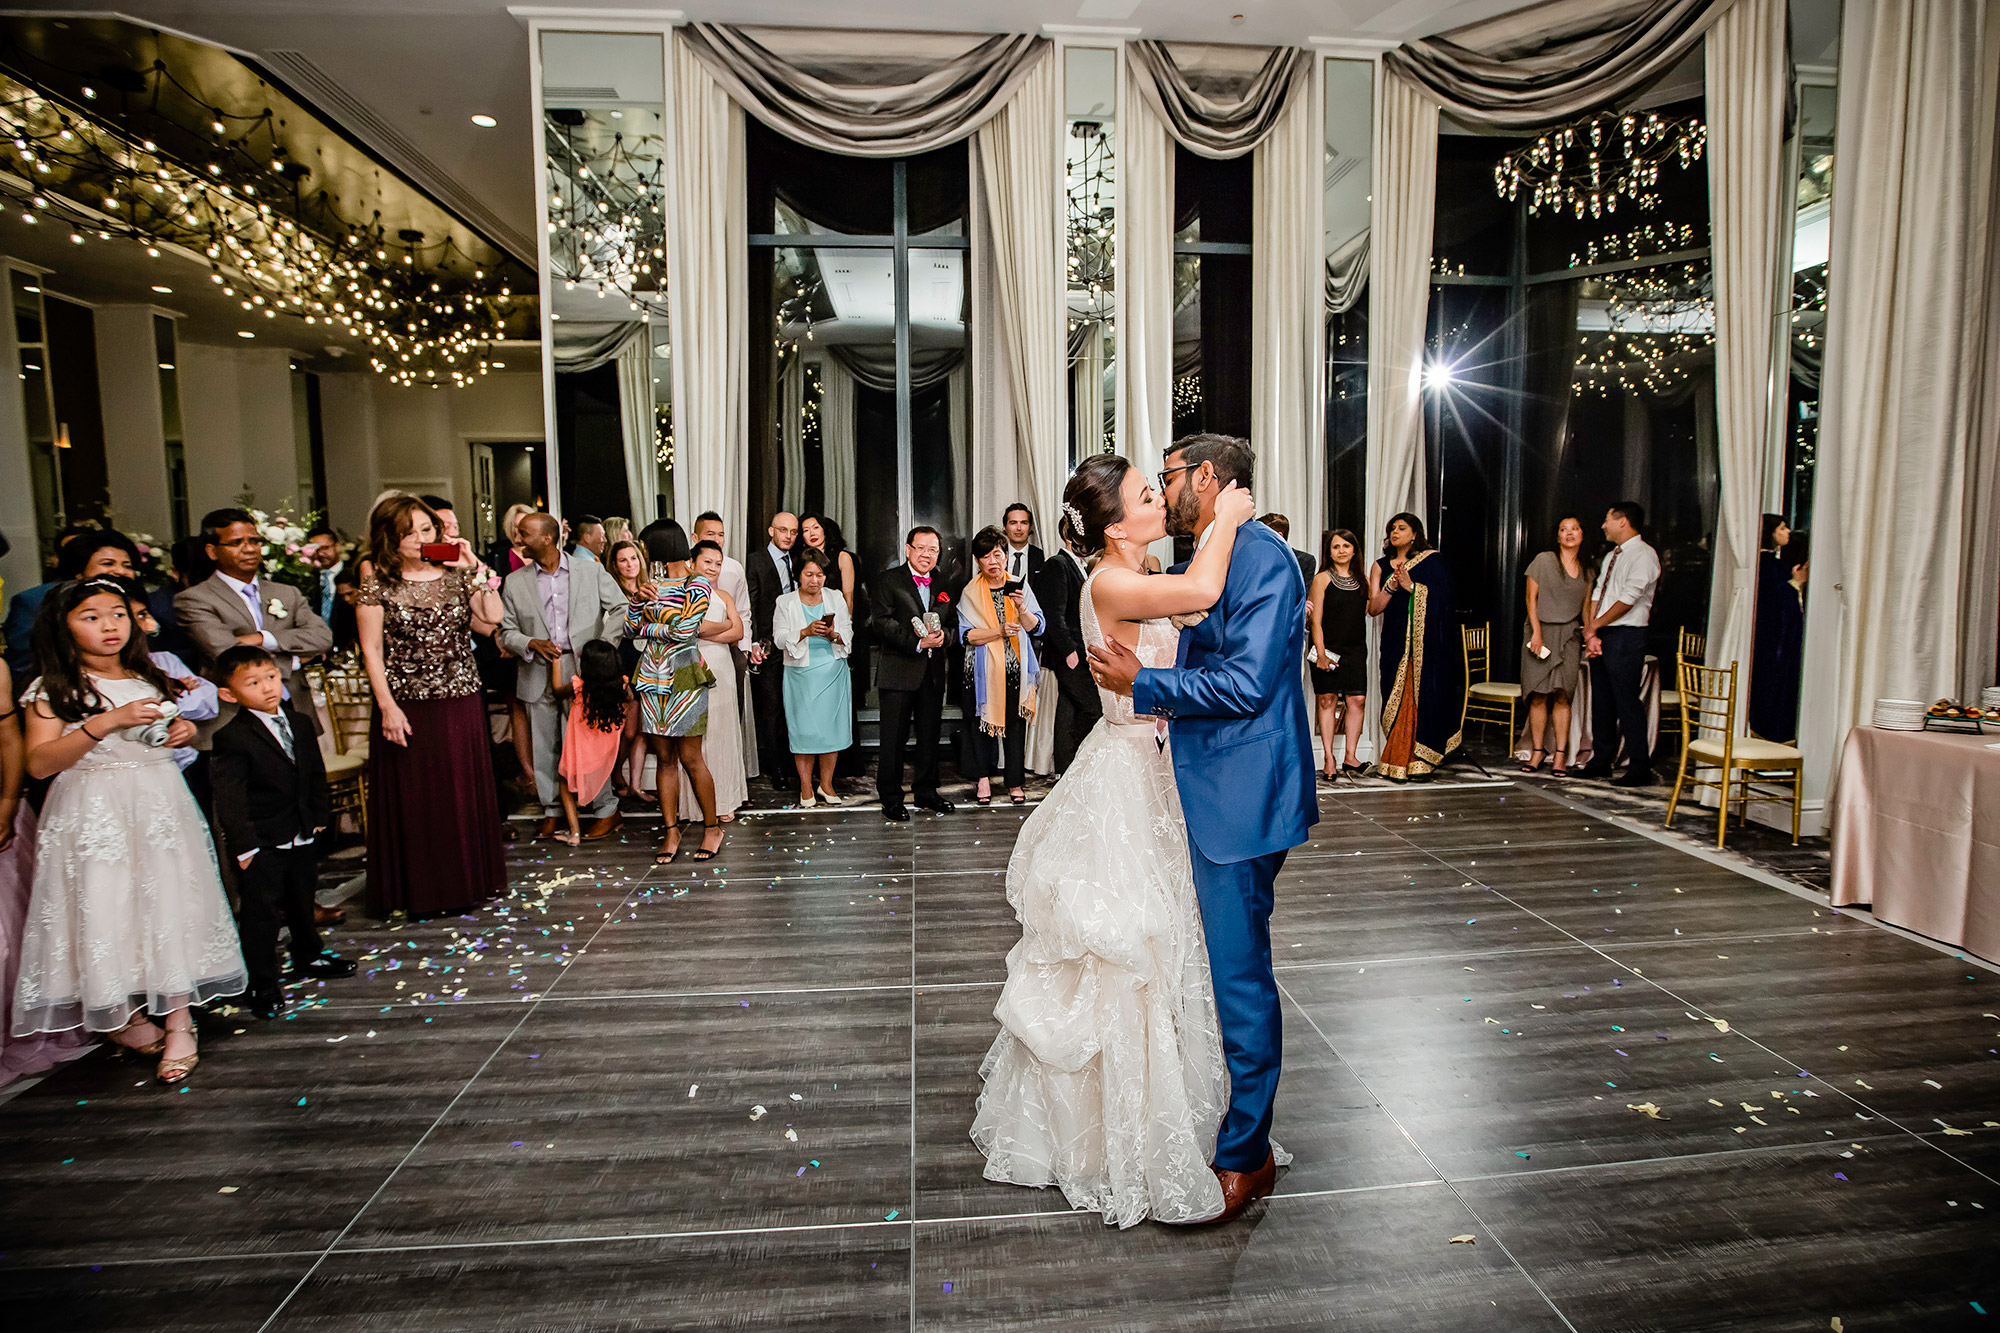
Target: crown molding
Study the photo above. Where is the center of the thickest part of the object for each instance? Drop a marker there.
(594, 15)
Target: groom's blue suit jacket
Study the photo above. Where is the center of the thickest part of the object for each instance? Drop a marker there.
(1242, 754)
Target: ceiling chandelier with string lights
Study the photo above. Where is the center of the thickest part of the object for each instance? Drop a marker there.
(1587, 166)
(427, 312)
(606, 223)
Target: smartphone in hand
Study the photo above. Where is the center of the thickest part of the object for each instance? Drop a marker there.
(440, 553)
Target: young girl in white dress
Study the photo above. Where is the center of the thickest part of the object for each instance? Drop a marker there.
(126, 920)
(1107, 1079)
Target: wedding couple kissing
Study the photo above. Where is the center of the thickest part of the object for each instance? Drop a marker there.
(1138, 1057)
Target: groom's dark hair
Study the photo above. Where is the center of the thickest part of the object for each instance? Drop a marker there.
(1232, 458)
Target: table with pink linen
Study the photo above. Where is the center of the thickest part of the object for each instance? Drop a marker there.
(1916, 833)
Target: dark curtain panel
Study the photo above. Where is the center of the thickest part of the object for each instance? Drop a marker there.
(1347, 424)
(879, 541)
(591, 441)
(1215, 197)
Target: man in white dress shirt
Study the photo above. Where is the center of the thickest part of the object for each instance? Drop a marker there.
(1614, 635)
(1024, 559)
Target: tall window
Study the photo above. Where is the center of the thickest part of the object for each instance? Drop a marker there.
(860, 402)
(1212, 306)
(1090, 84)
(1349, 190)
(1571, 360)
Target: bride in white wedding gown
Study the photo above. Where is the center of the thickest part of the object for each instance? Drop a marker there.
(1107, 1078)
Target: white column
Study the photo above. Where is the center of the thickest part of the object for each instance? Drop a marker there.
(135, 441)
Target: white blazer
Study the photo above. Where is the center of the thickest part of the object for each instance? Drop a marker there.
(788, 618)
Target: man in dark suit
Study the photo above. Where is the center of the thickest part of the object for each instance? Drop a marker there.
(1308, 563)
(1024, 558)
(1059, 588)
(270, 799)
(772, 572)
(910, 670)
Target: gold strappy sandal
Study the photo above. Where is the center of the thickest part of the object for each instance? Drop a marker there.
(174, 1070)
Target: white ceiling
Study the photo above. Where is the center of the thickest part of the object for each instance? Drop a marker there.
(425, 67)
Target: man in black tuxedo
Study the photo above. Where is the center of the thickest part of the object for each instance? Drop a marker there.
(910, 670)
(270, 798)
(1024, 558)
(1308, 562)
(772, 572)
(1059, 588)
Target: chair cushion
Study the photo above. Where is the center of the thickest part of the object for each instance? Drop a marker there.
(1747, 750)
(1494, 689)
(348, 765)
(1669, 698)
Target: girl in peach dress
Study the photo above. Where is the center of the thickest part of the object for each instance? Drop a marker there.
(591, 741)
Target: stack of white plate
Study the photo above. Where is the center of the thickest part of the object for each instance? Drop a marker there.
(1900, 714)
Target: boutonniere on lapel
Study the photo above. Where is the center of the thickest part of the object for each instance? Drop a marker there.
(277, 610)
(941, 597)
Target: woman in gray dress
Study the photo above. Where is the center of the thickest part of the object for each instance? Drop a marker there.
(1552, 658)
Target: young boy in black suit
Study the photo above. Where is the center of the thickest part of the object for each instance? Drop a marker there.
(270, 800)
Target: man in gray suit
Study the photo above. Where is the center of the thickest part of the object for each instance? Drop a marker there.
(551, 607)
(236, 605)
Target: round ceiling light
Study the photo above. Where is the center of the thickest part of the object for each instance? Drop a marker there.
(484, 121)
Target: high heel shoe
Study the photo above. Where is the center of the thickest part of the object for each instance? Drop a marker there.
(174, 1069)
(124, 1048)
(665, 853)
(703, 853)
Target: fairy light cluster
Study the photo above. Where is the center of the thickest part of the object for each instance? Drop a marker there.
(606, 220)
(1654, 238)
(1586, 167)
(427, 313)
(1636, 353)
(1091, 195)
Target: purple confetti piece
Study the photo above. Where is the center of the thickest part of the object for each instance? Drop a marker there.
(1840, 1175)
(1621, 1052)
(947, 1291)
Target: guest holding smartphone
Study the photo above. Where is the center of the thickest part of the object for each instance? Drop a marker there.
(1001, 618)
(811, 626)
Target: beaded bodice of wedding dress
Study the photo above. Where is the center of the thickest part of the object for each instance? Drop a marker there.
(1107, 1078)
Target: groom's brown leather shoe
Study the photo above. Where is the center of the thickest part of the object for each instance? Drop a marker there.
(1240, 1189)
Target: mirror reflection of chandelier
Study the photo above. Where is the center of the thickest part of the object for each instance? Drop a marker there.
(1091, 194)
(1587, 166)
(606, 221)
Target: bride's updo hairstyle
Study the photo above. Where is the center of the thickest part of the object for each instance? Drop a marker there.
(1093, 501)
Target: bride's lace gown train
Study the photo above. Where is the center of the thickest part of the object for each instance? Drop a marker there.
(1108, 1078)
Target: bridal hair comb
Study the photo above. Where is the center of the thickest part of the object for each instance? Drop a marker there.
(1075, 517)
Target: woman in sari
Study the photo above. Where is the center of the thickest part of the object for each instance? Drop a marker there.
(998, 620)
(1422, 662)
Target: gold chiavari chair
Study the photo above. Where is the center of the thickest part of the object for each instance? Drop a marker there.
(1694, 647)
(1487, 701)
(349, 702)
(1747, 769)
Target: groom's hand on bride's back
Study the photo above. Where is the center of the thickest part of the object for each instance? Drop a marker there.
(1114, 666)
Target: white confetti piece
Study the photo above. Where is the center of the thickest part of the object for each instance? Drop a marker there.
(229, 1189)
(1647, 1109)
(792, 1135)
(797, 1098)
(1464, 1240)
(693, 1088)
(1933, 1083)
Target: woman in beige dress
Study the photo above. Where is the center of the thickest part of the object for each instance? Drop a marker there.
(1552, 657)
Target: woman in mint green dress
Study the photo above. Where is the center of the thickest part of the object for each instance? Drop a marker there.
(813, 630)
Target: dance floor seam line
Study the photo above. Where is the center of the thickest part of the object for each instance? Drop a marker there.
(1689, 1004)
(1538, 948)
(1429, 1161)
(457, 1097)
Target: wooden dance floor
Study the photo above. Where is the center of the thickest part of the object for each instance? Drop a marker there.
(736, 1096)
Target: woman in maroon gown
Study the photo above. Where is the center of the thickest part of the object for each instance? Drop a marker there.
(433, 820)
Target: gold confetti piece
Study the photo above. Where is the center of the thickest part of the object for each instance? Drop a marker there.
(1650, 1111)
(1794, 1110)
(1464, 1240)
(1993, 1124)
(1713, 1102)
(1538, 1006)
(1765, 1123)
(1494, 1021)
(1958, 1133)
(1869, 1086)
(1741, 1130)
(1723, 956)
(229, 1189)
(1842, 1048)
(1748, 1107)
(1837, 1326)
(1721, 1024)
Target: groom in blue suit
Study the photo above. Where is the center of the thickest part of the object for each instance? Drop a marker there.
(1243, 762)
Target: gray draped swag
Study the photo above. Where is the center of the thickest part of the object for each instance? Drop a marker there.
(1212, 108)
(580, 347)
(870, 94)
(1554, 62)
(1347, 274)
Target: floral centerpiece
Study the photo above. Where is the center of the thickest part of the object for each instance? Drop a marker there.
(286, 551)
(155, 558)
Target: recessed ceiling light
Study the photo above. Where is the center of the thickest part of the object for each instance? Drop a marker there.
(484, 121)
(162, 290)
(245, 333)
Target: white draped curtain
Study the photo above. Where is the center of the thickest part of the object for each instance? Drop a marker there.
(635, 419)
(1288, 332)
(708, 244)
(1904, 493)
(1747, 88)
(1019, 170)
(1146, 279)
(836, 441)
(792, 431)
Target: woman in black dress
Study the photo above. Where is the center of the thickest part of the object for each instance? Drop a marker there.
(1339, 624)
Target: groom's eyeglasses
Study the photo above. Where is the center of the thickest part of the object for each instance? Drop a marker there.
(1166, 472)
